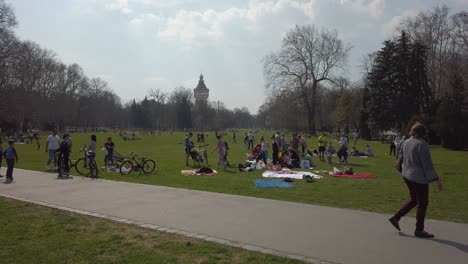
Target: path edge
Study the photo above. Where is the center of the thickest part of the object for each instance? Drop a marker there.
(175, 231)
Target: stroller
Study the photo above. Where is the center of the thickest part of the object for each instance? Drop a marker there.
(199, 156)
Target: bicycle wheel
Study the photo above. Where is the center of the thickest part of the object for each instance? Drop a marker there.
(148, 166)
(61, 167)
(126, 167)
(82, 168)
(94, 169)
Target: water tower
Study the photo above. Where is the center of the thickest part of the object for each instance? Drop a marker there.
(201, 92)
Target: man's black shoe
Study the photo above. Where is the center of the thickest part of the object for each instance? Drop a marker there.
(394, 222)
(423, 234)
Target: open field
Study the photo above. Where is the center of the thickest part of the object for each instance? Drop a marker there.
(384, 194)
(35, 234)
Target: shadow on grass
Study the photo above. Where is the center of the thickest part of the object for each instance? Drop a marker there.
(459, 246)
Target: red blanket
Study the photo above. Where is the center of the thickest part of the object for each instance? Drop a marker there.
(355, 176)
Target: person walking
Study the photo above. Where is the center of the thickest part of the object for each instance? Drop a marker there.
(417, 171)
(52, 144)
(11, 156)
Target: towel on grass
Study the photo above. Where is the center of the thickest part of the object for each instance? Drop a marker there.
(194, 173)
(354, 176)
(264, 184)
(290, 174)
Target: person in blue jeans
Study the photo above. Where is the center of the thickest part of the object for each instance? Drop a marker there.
(52, 144)
(109, 159)
(11, 156)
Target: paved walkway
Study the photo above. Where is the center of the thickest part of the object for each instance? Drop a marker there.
(308, 232)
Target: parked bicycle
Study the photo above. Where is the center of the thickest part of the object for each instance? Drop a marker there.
(137, 163)
(86, 165)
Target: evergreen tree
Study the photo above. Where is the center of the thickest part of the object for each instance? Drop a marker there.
(380, 106)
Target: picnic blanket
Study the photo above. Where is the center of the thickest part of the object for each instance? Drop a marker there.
(264, 184)
(290, 174)
(194, 173)
(354, 176)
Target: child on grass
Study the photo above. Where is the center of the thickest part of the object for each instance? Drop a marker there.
(11, 156)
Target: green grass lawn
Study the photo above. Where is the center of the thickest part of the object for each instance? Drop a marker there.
(35, 234)
(384, 194)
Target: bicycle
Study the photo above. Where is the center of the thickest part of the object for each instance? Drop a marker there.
(136, 163)
(86, 166)
(61, 166)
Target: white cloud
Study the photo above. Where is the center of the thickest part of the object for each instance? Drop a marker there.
(390, 27)
(371, 7)
(119, 5)
(196, 27)
(147, 17)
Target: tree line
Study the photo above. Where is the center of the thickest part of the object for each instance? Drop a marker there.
(38, 90)
(419, 74)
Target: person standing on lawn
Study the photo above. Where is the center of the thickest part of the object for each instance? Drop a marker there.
(417, 171)
(221, 148)
(275, 149)
(52, 144)
(11, 156)
(264, 148)
(65, 149)
(110, 146)
(188, 147)
(322, 140)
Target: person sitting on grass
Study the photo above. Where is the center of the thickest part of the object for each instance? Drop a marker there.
(294, 161)
(369, 151)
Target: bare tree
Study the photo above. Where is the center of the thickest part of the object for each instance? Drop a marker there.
(7, 17)
(308, 56)
(460, 23)
(434, 30)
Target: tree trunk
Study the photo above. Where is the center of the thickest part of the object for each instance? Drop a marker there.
(310, 109)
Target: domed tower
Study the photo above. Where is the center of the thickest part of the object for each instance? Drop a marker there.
(201, 92)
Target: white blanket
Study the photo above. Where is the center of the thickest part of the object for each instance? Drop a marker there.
(290, 174)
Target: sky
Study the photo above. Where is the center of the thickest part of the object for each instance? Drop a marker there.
(138, 45)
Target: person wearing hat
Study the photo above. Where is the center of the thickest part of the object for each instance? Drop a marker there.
(11, 156)
(52, 144)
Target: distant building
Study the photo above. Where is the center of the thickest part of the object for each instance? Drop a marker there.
(201, 92)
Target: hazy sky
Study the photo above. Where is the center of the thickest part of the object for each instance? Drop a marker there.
(136, 45)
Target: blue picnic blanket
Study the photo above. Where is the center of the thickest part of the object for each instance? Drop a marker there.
(272, 184)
